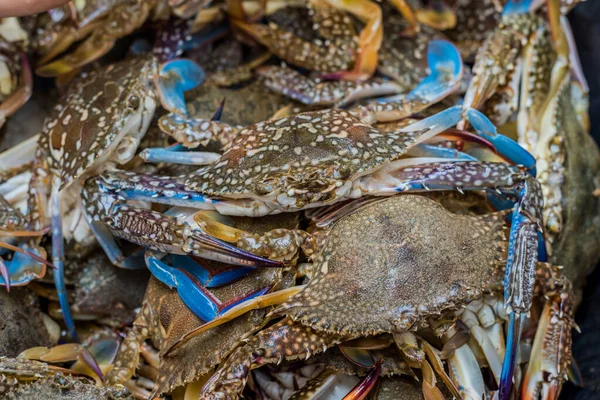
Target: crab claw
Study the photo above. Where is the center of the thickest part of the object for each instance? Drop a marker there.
(87, 52)
(175, 78)
(366, 384)
(191, 281)
(28, 263)
(507, 147)
(445, 63)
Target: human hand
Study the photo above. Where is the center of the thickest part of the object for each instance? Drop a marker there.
(17, 8)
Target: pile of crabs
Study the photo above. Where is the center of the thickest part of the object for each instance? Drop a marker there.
(294, 199)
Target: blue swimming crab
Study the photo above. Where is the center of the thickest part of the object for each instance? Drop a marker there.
(374, 272)
(446, 72)
(97, 125)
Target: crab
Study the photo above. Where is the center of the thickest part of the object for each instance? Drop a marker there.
(375, 272)
(333, 46)
(38, 362)
(517, 50)
(98, 124)
(99, 23)
(543, 95)
(402, 59)
(446, 72)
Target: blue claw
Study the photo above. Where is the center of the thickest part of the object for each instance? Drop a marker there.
(178, 155)
(438, 122)
(58, 256)
(22, 269)
(175, 78)
(505, 146)
(445, 63)
(515, 326)
(192, 290)
(428, 150)
(207, 275)
(519, 7)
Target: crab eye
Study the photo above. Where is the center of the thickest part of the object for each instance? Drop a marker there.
(133, 102)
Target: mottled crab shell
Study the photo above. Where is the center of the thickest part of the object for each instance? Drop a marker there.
(88, 124)
(404, 60)
(305, 157)
(396, 262)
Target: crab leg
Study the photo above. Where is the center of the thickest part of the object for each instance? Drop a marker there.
(255, 303)
(446, 67)
(551, 353)
(369, 39)
(175, 156)
(194, 294)
(267, 346)
(129, 352)
(309, 91)
(155, 230)
(58, 257)
(366, 384)
(63, 353)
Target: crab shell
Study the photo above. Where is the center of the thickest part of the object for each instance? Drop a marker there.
(396, 263)
(400, 58)
(103, 109)
(243, 106)
(300, 161)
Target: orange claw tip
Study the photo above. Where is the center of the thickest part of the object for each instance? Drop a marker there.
(366, 384)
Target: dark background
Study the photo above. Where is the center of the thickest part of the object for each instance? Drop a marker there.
(585, 22)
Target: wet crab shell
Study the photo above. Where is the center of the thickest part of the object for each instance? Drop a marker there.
(105, 102)
(378, 273)
(299, 160)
